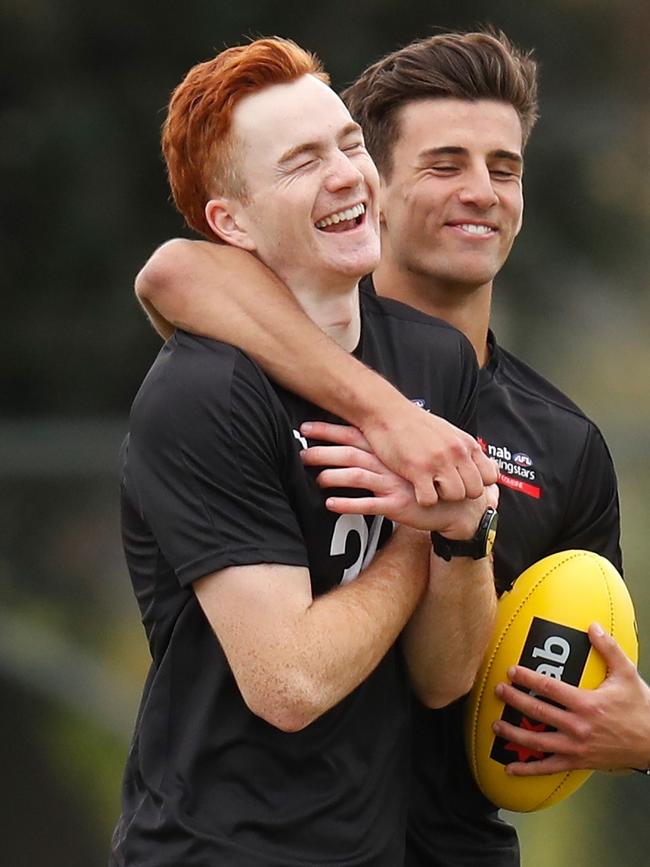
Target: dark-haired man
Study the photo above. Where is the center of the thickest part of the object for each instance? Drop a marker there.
(446, 120)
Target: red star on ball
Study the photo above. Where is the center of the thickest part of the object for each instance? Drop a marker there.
(525, 754)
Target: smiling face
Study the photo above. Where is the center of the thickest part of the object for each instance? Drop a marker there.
(311, 211)
(453, 203)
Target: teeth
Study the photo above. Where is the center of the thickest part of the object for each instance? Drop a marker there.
(473, 229)
(351, 214)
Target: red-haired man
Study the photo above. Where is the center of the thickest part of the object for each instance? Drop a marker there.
(274, 725)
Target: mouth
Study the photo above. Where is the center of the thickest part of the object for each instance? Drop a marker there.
(478, 230)
(344, 220)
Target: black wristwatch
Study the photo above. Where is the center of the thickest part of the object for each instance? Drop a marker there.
(479, 546)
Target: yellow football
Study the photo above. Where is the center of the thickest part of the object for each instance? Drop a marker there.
(542, 624)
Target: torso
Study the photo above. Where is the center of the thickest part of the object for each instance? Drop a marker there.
(557, 491)
(207, 781)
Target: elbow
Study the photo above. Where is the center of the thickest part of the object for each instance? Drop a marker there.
(288, 720)
(289, 706)
(442, 695)
(163, 268)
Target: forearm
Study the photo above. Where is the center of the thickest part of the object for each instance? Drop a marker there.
(445, 640)
(295, 657)
(349, 630)
(227, 294)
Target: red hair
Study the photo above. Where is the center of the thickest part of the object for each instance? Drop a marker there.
(196, 140)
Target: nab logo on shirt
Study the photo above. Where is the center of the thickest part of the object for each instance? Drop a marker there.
(516, 469)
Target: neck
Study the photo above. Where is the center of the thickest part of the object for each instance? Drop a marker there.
(334, 308)
(465, 307)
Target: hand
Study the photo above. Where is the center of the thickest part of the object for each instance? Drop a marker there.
(438, 459)
(351, 464)
(606, 728)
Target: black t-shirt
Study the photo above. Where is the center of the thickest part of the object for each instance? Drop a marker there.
(212, 478)
(557, 491)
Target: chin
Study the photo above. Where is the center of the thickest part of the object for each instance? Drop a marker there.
(355, 263)
(466, 276)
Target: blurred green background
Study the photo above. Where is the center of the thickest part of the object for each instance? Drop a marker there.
(84, 201)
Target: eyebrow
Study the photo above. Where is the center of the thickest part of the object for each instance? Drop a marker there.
(313, 146)
(452, 150)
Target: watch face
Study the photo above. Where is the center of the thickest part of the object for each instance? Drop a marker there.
(491, 533)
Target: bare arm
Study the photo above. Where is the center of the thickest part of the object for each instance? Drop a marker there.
(226, 293)
(606, 728)
(445, 640)
(295, 657)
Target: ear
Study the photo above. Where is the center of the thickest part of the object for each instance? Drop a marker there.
(382, 201)
(227, 221)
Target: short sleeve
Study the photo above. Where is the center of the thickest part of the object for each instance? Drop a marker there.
(592, 521)
(206, 456)
(465, 413)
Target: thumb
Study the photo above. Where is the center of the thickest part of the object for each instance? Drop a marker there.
(609, 649)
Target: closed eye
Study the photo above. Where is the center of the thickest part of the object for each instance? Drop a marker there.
(304, 165)
(504, 173)
(353, 147)
(444, 169)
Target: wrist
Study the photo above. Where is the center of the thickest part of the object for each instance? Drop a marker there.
(378, 405)
(477, 547)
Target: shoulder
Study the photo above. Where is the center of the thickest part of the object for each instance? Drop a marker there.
(527, 384)
(416, 332)
(395, 312)
(190, 365)
(195, 377)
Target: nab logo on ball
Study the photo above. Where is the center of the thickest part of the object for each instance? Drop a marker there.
(542, 624)
(556, 651)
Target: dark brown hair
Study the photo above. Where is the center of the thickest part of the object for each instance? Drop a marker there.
(470, 66)
(197, 139)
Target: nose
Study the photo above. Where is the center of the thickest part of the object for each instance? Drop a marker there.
(342, 173)
(478, 189)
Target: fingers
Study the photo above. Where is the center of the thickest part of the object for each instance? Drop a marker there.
(488, 468)
(353, 477)
(535, 742)
(492, 496)
(356, 505)
(339, 456)
(426, 494)
(450, 486)
(466, 476)
(335, 433)
(532, 707)
(457, 470)
(548, 687)
(471, 479)
(554, 764)
(615, 659)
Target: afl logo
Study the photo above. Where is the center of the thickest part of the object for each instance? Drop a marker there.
(522, 459)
